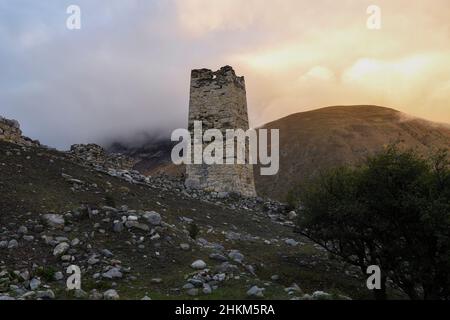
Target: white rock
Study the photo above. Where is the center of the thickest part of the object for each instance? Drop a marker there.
(61, 248)
(199, 264)
(53, 220)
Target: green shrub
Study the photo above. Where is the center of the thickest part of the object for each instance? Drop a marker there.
(393, 211)
(194, 230)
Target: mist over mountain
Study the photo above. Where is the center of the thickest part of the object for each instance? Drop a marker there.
(311, 142)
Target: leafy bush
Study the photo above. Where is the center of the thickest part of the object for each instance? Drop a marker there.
(393, 211)
(194, 230)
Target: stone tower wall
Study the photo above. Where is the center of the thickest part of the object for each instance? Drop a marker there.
(218, 99)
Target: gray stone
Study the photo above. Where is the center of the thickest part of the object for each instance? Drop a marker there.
(28, 238)
(236, 256)
(111, 294)
(113, 273)
(47, 295)
(54, 220)
(188, 286)
(12, 244)
(80, 294)
(95, 295)
(60, 249)
(154, 218)
(218, 257)
(291, 242)
(22, 230)
(192, 292)
(198, 264)
(35, 284)
(256, 292)
(185, 246)
(58, 276)
(107, 253)
(118, 226)
(93, 260)
(207, 289)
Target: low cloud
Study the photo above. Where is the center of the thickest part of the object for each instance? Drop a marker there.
(126, 72)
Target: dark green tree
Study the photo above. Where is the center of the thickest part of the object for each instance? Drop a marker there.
(392, 211)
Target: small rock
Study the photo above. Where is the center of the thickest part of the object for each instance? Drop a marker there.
(156, 280)
(23, 230)
(80, 294)
(118, 226)
(107, 253)
(192, 292)
(113, 273)
(218, 257)
(291, 242)
(54, 220)
(199, 264)
(207, 289)
(185, 246)
(236, 256)
(111, 294)
(256, 292)
(95, 295)
(12, 244)
(61, 248)
(58, 276)
(47, 295)
(292, 215)
(320, 295)
(154, 218)
(34, 284)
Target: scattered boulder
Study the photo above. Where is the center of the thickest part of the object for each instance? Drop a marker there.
(199, 264)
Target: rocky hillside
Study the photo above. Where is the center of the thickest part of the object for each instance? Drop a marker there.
(10, 131)
(316, 140)
(135, 237)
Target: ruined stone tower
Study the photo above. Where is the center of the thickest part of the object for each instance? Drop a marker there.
(218, 99)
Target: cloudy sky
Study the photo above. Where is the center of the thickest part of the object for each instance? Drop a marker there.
(127, 70)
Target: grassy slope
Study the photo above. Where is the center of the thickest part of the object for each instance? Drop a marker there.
(31, 184)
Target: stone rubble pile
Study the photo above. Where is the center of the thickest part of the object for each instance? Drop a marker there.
(10, 132)
(95, 155)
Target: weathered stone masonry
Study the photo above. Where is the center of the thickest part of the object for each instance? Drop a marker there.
(218, 99)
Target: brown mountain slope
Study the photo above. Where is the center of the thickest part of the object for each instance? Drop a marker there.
(314, 140)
